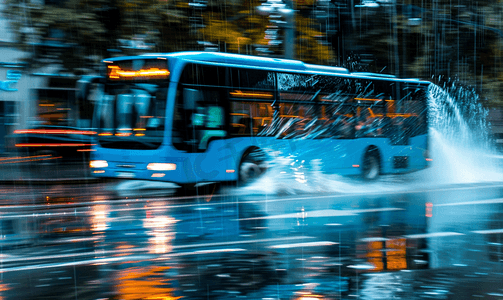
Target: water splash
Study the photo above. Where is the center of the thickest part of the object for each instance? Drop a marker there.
(460, 143)
(460, 146)
(289, 175)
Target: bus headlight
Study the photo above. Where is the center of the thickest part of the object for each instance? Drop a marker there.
(98, 164)
(161, 166)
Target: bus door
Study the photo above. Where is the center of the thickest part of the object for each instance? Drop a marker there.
(200, 130)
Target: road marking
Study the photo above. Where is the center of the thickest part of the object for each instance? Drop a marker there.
(147, 249)
(84, 205)
(244, 242)
(303, 245)
(490, 231)
(75, 263)
(431, 235)
(475, 202)
(323, 213)
(374, 239)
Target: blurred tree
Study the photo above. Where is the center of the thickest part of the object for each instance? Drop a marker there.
(409, 38)
(436, 40)
(310, 45)
(235, 26)
(79, 33)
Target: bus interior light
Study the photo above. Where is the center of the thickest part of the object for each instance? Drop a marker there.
(161, 166)
(98, 164)
(251, 94)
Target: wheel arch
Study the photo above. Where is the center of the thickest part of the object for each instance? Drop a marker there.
(245, 152)
(243, 155)
(374, 150)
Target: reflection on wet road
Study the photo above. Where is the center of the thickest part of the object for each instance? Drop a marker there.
(87, 243)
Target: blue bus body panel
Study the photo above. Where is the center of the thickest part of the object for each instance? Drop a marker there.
(190, 167)
(221, 161)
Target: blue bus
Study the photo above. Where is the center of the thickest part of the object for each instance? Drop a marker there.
(193, 117)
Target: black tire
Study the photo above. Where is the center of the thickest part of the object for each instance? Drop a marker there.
(252, 166)
(371, 167)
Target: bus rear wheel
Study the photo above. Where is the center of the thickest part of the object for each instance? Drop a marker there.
(371, 167)
(253, 165)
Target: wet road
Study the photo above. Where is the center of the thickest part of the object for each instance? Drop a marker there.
(90, 242)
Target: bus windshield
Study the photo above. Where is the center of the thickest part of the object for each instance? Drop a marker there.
(132, 115)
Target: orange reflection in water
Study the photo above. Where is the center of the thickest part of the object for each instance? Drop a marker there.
(387, 254)
(3, 288)
(144, 283)
(374, 254)
(396, 254)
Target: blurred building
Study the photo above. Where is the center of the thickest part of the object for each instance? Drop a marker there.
(16, 100)
(18, 92)
(20, 87)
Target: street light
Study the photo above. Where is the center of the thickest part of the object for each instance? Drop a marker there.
(276, 9)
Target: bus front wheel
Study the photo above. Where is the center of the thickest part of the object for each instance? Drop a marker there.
(371, 167)
(252, 166)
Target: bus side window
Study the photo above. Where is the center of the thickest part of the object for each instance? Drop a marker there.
(386, 127)
(215, 117)
(198, 117)
(214, 123)
(411, 126)
(398, 136)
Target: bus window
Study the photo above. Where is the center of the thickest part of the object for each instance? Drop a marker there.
(408, 115)
(106, 120)
(132, 114)
(124, 112)
(370, 114)
(193, 129)
(212, 126)
(249, 118)
(252, 79)
(297, 86)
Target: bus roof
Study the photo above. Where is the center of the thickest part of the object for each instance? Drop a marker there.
(266, 62)
(250, 60)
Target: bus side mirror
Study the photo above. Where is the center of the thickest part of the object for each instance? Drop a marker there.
(190, 98)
